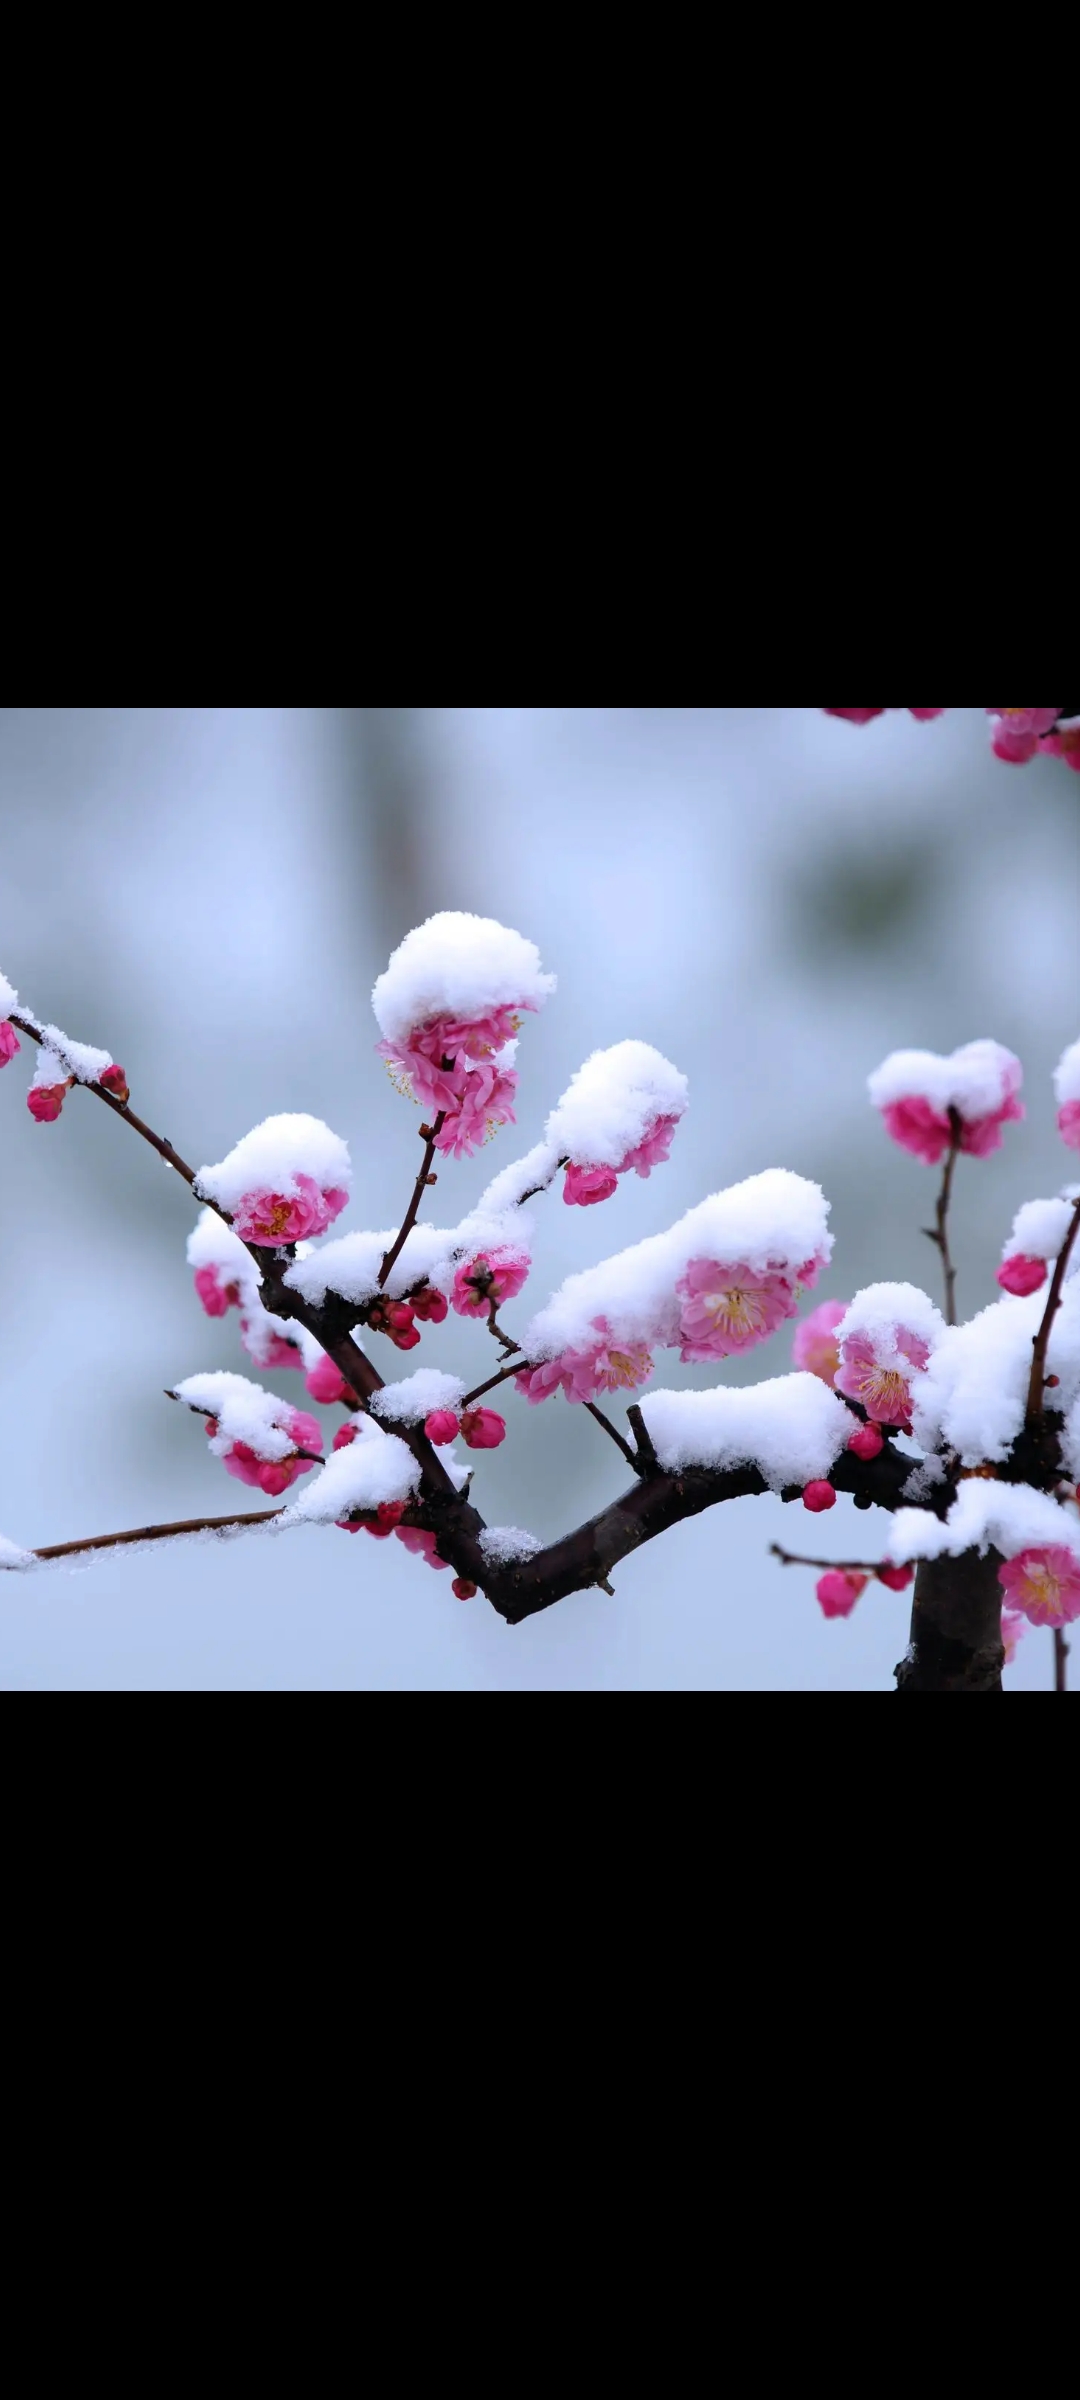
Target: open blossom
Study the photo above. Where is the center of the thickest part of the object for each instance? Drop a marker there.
(216, 1295)
(1022, 1275)
(728, 1309)
(327, 1384)
(487, 1280)
(838, 1591)
(814, 1348)
(45, 1100)
(9, 1042)
(1015, 732)
(456, 1068)
(608, 1365)
(272, 1476)
(274, 1218)
(430, 1306)
(1043, 1584)
(586, 1184)
(876, 1373)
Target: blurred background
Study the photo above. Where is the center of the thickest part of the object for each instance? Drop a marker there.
(773, 897)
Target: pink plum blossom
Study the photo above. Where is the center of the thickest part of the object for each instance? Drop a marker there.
(1064, 742)
(538, 1383)
(608, 1365)
(838, 1591)
(274, 1218)
(395, 1319)
(728, 1309)
(9, 1042)
(273, 1476)
(327, 1384)
(927, 1133)
(896, 1578)
(345, 1435)
(421, 1544)
(486, 1101)
(818, 1496)
(862, 716)
(585, 1186)
(430, 1306)
(879, 1383)
(1015, 732)
(1021, 1275)
(441, 1427)
(462, 1589)
(45, 1100)
(487, 1280)
(1043, 1584)
(867, 1442)
(814, 1348)
(114, 1081)
(653, 1150)
(450, 1066)
(482, 1428)
(1069, 1124)
(217, 1297)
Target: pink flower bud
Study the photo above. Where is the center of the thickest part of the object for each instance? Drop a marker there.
(45, 1100)
(429, 1305)
(342, 1438)
(462, 1590)
(897, 1578)
(838, 1591)
(9, 1042)
(1069, 1124)
(868, 1442)
(115, 1082)
(1021, 1275)
(819, 1496)
(405, 1341)
(482, 1429)
(441, 1427)
(388, 1517)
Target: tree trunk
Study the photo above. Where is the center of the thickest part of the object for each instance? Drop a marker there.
(956, 1641)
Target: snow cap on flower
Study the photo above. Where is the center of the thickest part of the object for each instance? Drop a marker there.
(1067, 1089)
(772, 1226)
(972, 1397)
(886, 1337)
(1039, 1231)
(285, 1181)
(458, 966)
(372, 1468)
(49, 1089)
(414, 1398)
(985, 1515)
(614, 1104)
(244, 1412)
(915, 1089)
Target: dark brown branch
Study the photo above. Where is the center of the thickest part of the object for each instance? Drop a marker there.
(616, 1436)
(956, 1643)
(164, 1150)
(1041, 1344)
(1061, 1652)
(423, 1179)
(941, 1237)
(520, 1366)
(157, 1533)
(839, 1566)
(646, 1460)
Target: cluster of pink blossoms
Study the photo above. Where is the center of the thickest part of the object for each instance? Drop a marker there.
(838, 1591)
(45, 1100)
(452, 1067)
(273, 1476)
(275, 1218)
(1016, 734)
(586, 1185)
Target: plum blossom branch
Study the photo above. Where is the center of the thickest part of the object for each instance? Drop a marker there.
(612, 1430)
(120, 1108)
(158, 1533)
(1061, 1652)
(940, 1237)
(430, 1135)
(1037, 1385)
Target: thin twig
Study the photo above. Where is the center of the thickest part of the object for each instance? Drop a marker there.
(164, 1150)
(842, 1566)
(418, 1194)
(157, 1533)
(646, 1460)
(940, 1238)
(1041, 1344)
(613, 1431)
(1061, 1652)
(511, 1347)
(520, 1367)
